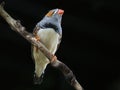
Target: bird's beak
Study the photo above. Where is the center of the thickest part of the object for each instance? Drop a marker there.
(60, 11)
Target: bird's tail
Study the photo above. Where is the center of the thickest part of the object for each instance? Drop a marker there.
(39, 71)
(38, 80)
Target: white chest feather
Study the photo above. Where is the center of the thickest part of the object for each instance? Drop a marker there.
(50, 39)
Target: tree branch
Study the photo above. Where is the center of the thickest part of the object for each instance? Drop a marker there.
(17, 27)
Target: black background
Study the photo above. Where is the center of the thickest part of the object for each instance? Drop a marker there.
(90, 45)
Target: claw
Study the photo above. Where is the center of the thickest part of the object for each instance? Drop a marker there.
(54, 58)
(37, 37)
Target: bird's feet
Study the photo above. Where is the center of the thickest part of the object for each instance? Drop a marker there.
(37, 37)
(54, 58)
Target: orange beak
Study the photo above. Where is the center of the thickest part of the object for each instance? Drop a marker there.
(60, 11)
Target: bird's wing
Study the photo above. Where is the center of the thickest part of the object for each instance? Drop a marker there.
(60, 38)
(35, 30)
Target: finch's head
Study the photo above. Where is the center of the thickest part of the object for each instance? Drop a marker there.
(52, 20)
(55, 14)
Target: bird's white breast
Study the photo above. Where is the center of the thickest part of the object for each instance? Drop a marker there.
(50, 39)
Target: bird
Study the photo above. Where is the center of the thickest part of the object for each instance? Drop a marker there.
(49, 32)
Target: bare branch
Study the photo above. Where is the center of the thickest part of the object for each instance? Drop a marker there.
(16, 26)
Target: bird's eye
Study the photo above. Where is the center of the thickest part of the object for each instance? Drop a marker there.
(50, 13)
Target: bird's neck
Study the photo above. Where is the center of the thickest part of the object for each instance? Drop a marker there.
(56, 27)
